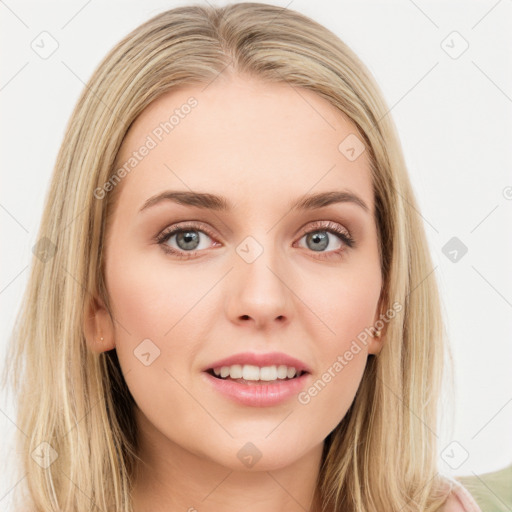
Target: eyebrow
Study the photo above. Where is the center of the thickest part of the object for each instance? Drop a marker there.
(219, 203)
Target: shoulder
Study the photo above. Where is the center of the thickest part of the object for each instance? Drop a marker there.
(460, 500)
(453, 504)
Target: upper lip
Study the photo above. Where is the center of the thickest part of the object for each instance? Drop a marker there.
(255, 359)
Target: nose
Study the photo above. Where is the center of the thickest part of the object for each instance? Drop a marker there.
(259, 293)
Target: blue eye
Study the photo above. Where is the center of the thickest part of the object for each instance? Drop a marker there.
(320, 238)
(188, 238)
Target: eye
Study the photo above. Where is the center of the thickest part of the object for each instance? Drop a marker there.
(183, 240)
(327, 237)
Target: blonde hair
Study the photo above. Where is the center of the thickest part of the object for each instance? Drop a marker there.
(383, 454)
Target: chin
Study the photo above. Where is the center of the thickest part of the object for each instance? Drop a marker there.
(260, 454)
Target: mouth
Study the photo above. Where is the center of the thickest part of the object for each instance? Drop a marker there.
(254, 375)
(255, 386)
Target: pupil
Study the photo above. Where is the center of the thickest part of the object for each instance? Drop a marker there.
(320, 239)
(187, 239)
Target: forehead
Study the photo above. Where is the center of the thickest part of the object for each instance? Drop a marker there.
(243, 138)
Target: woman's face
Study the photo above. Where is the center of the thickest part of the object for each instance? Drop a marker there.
(249, 273)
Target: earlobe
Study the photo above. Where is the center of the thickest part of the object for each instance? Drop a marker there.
(98, 327)
(378, 336)
(376, 343)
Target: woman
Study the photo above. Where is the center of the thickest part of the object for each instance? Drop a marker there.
(231, 302)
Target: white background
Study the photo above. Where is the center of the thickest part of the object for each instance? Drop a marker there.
(453, 117)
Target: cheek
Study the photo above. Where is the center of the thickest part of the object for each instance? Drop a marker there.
(346, 307)
(149, 297)
(156, 309)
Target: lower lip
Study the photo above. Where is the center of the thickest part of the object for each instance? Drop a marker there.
(259, 395)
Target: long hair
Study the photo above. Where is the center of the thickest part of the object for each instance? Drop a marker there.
(74, 408)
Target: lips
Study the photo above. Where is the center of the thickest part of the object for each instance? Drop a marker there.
(257, 394)
(261, 360)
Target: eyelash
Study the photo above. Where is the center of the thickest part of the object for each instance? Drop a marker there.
(317, 226)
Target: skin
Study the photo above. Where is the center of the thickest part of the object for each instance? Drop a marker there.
(261, 146)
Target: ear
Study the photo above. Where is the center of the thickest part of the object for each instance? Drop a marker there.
(376, 343)
(98, 325)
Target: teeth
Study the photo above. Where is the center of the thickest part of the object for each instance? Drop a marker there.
(251, 372)
(282, 371)
(269, 373)
(235, 372)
